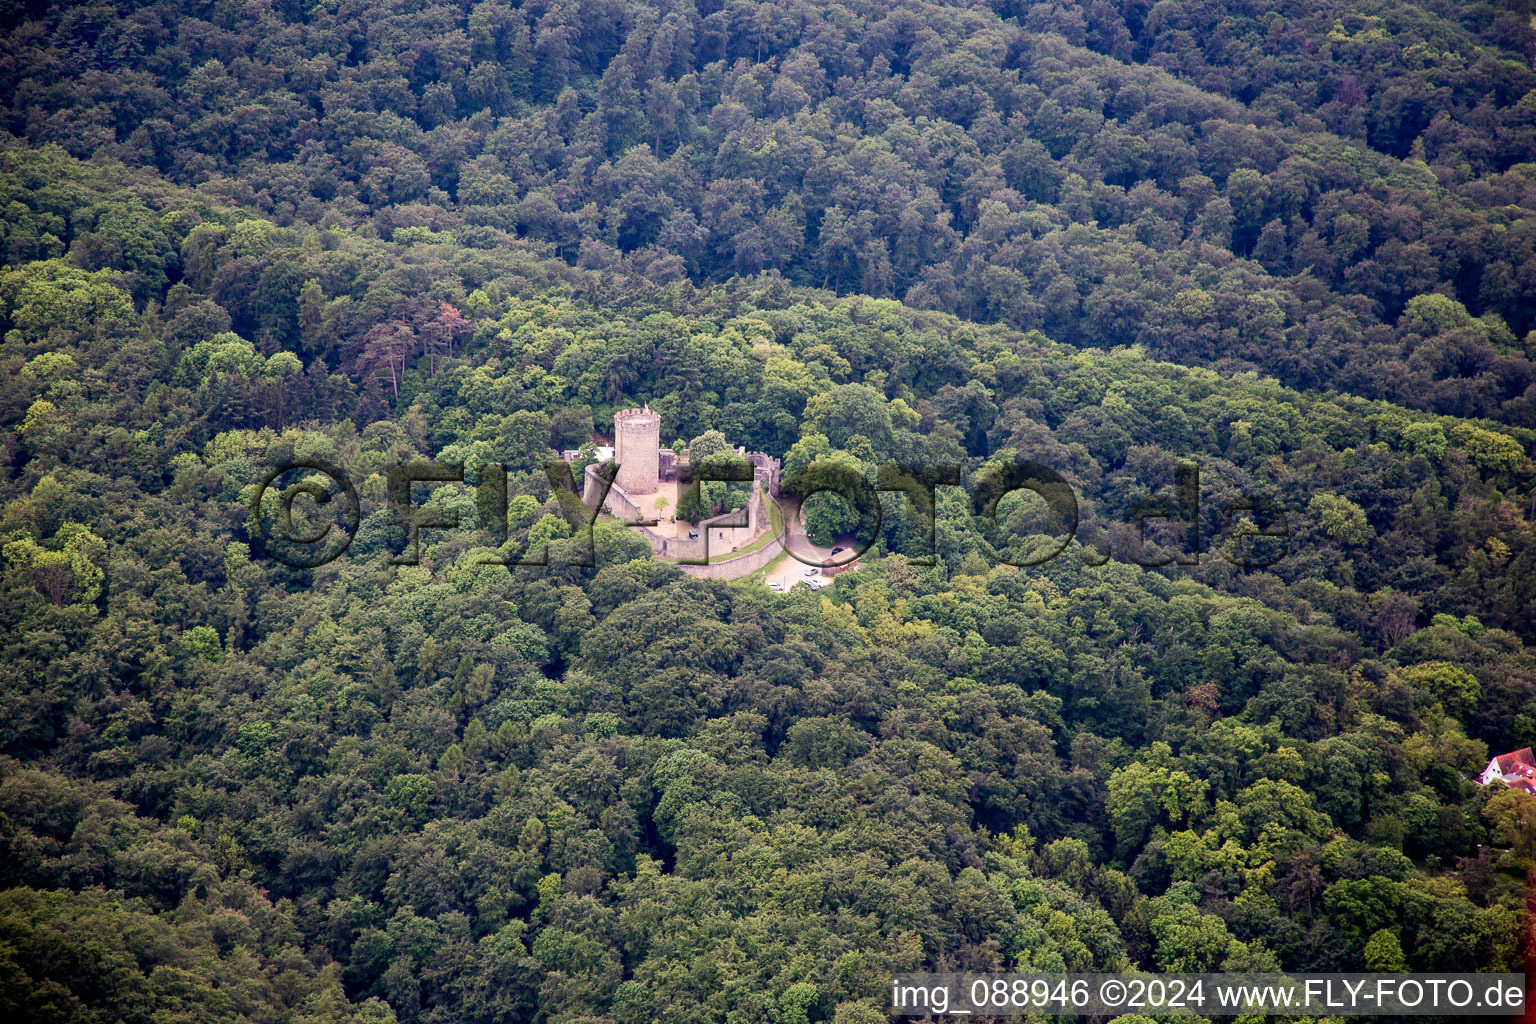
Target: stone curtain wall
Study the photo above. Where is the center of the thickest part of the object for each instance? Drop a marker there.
(722, 564)
(618, 500)
(734, 568)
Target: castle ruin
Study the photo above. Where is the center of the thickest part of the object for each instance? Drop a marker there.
(649, 483)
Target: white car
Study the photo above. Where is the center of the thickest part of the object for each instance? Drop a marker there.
(776, 585)
(815, 584)
(813, 571)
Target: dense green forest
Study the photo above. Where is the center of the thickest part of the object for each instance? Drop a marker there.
(1224, 184)
(1293, 244)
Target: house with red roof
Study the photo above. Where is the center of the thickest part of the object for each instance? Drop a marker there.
(1516, 770)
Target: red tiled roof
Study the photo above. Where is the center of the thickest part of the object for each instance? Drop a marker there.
(1519, 762)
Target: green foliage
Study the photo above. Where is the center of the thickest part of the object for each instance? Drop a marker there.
(841, 508)
(254, 738)
(74, 572)
(1427, 439)
(461, 757)
(707, 445)
(1384, 952)
(1455, 688)
(1145, 796)
(39, 297)
(461, 791)
(1436, 313)
(1495, 454)
(1341, 519)
(411, 793)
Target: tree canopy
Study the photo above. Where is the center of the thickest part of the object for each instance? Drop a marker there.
(1244, 279)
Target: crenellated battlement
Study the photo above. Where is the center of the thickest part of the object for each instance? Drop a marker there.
(644, 415)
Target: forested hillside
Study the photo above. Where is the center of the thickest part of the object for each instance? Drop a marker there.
(1250, 190)
(1294, 245)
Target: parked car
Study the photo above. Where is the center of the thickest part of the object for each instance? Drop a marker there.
(776, 585)
(815, 584)
(813, 571)
(837, 549)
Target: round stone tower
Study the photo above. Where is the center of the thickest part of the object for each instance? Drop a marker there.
(636, 448)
